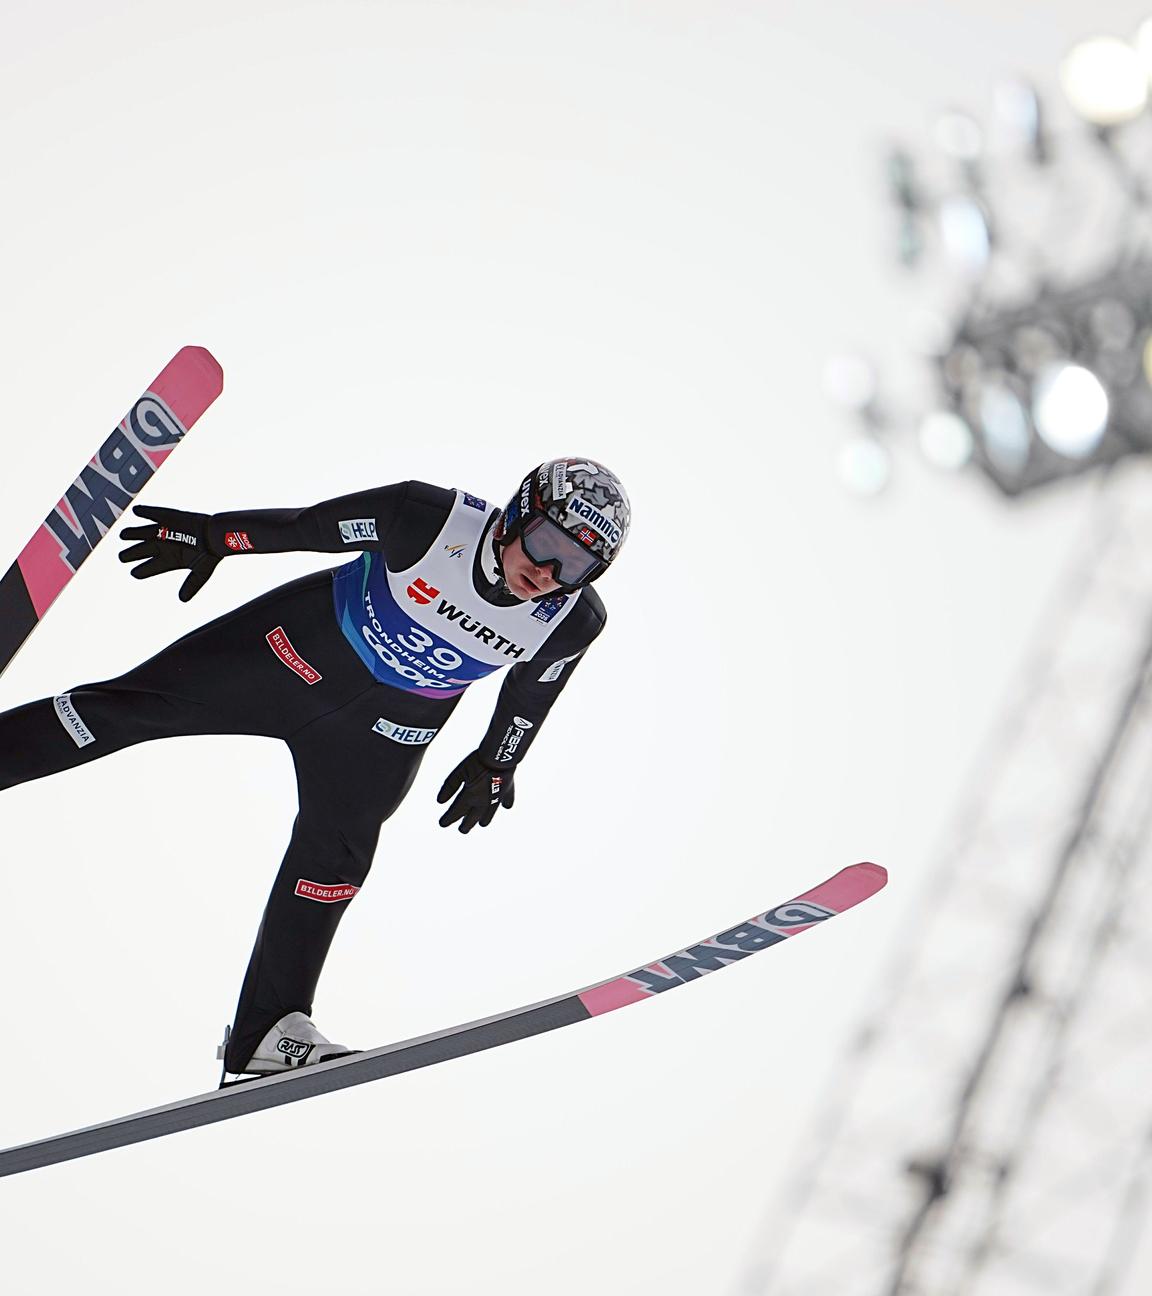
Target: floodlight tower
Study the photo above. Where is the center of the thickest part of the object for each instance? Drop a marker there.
(991, 1132)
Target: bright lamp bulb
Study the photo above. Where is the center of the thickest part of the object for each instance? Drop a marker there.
(1070, 407)
(1105, 81)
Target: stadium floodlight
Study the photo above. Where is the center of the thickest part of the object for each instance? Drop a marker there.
(1105, 81)
(1004, 424)
(1040, 348)
(965, 233)
(1018, 106)
(946, 440)
(1070, 407)
(865, 466)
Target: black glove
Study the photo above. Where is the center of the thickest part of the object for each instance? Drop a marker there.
(479, 789)
(174, 540)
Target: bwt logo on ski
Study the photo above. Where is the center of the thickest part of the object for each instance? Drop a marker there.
(698, 960)
(595, 519)
(358, 529)
(421, 592)
(117, 473)
(323, 892)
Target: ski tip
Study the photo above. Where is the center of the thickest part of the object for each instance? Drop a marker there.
(206, 362)
(877, 872)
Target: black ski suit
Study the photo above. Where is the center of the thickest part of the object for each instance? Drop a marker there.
(310, 663)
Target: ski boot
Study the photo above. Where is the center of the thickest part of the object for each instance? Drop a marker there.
(292, 1043)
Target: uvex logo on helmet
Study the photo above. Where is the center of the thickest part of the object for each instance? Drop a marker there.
(421, 592)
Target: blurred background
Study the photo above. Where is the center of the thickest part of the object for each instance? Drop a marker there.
(856, 299)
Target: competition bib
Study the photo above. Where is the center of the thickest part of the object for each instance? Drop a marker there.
(426, 630)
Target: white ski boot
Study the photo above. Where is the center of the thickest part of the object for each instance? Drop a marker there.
(292, 1043)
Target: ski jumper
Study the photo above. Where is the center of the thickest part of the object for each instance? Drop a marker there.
(357, 669)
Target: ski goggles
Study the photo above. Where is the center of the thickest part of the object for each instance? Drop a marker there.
(548, 545)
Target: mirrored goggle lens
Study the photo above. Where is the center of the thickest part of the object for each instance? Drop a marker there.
(546, 544)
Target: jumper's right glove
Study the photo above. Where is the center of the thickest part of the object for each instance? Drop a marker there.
(479, 790)
(174, 540)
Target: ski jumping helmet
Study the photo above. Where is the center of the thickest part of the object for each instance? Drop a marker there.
(571, 515)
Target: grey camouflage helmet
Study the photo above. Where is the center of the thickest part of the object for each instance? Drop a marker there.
(583, 497)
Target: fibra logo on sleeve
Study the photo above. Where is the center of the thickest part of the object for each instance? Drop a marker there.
(402, 734)
(354, 529)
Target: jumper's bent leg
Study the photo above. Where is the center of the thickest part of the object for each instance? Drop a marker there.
(350, 781)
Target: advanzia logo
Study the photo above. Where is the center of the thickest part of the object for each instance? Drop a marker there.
(729, 946)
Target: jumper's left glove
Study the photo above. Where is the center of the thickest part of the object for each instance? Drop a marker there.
(173, 540)
(479, 789)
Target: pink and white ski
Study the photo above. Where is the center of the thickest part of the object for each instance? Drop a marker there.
(107, 484)
(847, 888)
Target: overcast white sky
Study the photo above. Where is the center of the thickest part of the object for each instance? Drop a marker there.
(448, 240)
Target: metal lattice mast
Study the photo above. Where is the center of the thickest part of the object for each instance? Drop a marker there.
(991, 1133)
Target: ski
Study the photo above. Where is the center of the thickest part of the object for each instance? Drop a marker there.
(107, 484)
(847, 888)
